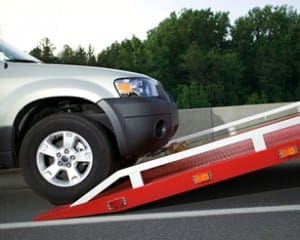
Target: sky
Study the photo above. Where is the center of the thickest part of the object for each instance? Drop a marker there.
(101, 22)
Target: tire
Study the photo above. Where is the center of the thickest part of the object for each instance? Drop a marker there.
(64, 155)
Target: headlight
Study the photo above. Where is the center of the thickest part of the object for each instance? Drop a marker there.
(142, 87)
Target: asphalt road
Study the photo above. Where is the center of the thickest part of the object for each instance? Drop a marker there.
(261, 205)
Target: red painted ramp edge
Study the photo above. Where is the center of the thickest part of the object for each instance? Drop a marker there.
(123, 197)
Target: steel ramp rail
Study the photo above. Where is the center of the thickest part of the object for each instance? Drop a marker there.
(187, 170)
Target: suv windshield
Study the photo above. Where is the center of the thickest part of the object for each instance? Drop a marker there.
(11, 54)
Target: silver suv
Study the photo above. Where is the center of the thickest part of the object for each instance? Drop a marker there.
(69, 126)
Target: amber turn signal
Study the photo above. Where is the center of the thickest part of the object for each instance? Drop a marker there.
(288, 152)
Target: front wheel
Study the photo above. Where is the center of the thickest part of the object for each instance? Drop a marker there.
(64, 155)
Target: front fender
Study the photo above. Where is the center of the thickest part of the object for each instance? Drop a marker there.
(26, 94)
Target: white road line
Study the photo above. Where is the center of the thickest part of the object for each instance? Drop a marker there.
(151, 216)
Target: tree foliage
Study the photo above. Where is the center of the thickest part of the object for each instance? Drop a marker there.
(267, 41)
(203, 60)
(44, 51)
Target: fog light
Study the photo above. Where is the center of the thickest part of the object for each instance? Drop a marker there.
(160, 129)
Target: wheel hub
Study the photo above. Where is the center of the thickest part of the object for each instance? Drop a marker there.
(64, 158)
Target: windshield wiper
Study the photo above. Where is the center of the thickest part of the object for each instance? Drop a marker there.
(21, 60)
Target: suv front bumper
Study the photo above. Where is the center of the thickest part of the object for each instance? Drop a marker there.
(141, 125)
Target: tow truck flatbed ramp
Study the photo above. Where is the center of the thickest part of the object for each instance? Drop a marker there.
(272, 142)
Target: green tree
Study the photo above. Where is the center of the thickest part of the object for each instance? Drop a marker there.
(192, 96)
(91, 58)
(267, 41)
(176, 49)
(80, 56)
(256, 98)
(44, 51)
(127, 55)
(67, 55)
(110, 56)
(183, 96)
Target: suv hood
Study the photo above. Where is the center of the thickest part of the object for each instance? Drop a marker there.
(25, 73)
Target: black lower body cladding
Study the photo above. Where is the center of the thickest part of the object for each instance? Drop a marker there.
(6, 140)
(140, 124)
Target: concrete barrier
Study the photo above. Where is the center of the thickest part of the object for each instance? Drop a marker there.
(197, 119)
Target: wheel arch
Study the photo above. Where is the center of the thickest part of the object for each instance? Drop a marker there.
(38, 109)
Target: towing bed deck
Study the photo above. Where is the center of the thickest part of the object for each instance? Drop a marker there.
(269, 144)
